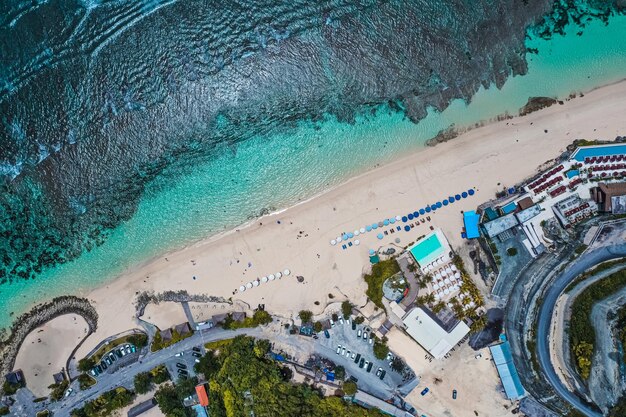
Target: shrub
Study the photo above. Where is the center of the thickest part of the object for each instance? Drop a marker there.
(340, 373)
(317, 326)
(259, 318)
(4, 411)
(58, 390)
(143, 383)
(158, 343)
(359, 320)
(349, 388)
(85, 364)
(85, 381)
(346, 309)
(305, 316)
(375, 280)
(381, 350)
(511, 251)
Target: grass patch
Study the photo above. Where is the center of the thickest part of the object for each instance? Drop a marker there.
(85, 381)
(380, 273)
(218, 344)
(259, 318)
(158, 343)
(581, 331)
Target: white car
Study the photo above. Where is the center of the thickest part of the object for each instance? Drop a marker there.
(364, 335)
(341, 320)
(353, 355)
(68, 392)
(332, 323)
(371, 341)
(358, 334)
(343, 351)
(338, 349)
(179, 354)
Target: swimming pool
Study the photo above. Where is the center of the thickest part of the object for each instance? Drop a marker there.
(427, 250)
(603, 150)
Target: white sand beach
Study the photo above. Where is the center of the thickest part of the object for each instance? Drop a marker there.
(487, 159)
(46, 349)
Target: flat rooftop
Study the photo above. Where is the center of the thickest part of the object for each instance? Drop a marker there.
(426, 331)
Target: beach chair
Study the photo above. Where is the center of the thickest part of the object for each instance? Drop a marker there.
(398, 228)
(343, 246)
(350, 244)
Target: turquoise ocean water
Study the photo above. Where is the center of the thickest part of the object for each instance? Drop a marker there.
(281, 170)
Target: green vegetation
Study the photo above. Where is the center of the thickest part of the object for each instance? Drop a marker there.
(169, 399)
(105, 404)
(10, 389)
(259, 318)
(468, 286)
(340, 373)
(346, 309)
(85, 381)
(318, 327)
(218, 344)
(58, 390)
(397, 364)
(306, 316)
(85, 364)
(511, 251)
(241, 381)
(602, 267)
(158, 343)
(359, 320)
(4, 411)
(44, 413)
(145, 381)
(581, 331)
(581, 249)
(380, 348)
(375, 280)
(134, 339)
(349, 388)
(621, 329)
(619, 409)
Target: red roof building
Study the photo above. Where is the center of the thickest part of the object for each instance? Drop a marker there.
(203, 398)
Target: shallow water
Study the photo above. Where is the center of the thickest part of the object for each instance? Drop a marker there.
(196, 196)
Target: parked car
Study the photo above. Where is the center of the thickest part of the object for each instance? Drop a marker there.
(338, 349)
(197, 361)
(326, 334)
(332, 323)
(371, 341)
(382, 374)
(118, 353)
(353, 355)
(196, 354)
(93, 372)
(379, 371)
(181, 365)
(364, 335)
(424, 391)
(196, 349)
(343, 351)
(369, 365)
(182, 372)
(68, 392)
(389, 356)
(103, 365)
(353, 325)
(358, 334)
(358, 358)
(362, 363)
(179, 354)
(454, 394)
(107, 360)
(348, 353)
(112, 356)
(341, 320)
(133, 348)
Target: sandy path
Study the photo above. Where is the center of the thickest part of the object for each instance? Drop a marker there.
(46, 349)
(487, 158)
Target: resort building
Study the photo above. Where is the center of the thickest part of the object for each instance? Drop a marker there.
(503, 360)
(432, 334)
(611, 198)
(432, 250)
(470, 221)
(501, 226)
(573, 209)
(142, 407)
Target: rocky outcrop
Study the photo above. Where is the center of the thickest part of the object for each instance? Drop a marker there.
(145, 298)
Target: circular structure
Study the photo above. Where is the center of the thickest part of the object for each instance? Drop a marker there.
(356, 233)
(405, 219)
(286, 272)
(422, 211)
(393, 287)
(416, 214)
(333, 242)
(264, 280)
(428, 209)
(374, 226)
(464, 194)
(362, 230)
(271, 277)
(457, 275)
(357, 242)
(242, 288)
(445, 202)
(410, 216)
(278, 275)
(338, 239)
(386, 222)
(368, 228)
(438, 204)
(457, 197)
(451, 199)
(380, 236)
(255, 283)
(407, 228)
(470, 191)
(249, 285)
(398, 218)
(392, 220)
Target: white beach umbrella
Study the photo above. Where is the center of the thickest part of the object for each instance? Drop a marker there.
(357, 242)
(446, 291)
(278, 275)
(286, 272)
(453, 267)
(249, 285)
(242, 288)
(264, 280)
(437, 296)
(472, 304)
(271, 277)
(338, 239)
(436, 286)
(443, 273)
(362, 230)
(356, 232)
(255, 283)
(457, 275)
(438, 275)
(398, 218)
(447, 281)
(333, 242)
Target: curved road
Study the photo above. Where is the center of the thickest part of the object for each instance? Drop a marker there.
(586, 261)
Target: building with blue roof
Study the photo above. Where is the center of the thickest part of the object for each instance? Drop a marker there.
(471, 220)
(503, 360)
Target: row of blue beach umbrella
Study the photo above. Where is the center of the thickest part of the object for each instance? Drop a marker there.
(404, 219)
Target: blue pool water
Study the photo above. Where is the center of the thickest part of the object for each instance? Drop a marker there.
(605, 150)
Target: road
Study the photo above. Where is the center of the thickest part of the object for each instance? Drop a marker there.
(586, 261)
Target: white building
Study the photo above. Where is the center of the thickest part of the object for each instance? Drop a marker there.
(431, 334)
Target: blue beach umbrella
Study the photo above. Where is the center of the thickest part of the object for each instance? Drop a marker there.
(451, 199)
(433, 207)
(386, 222)
(416, 214)
(374, 226)
(438, 204)
(410, 216)
(445, 202)
(372, 251)
(380, 236)
(422, 211)
(457, 197)
(350, 235)
(470, 191)
(392, 220)
(405, 219)
(428, 210)
(345, 237)
(464, 194)
(368, 228)
(407, 228)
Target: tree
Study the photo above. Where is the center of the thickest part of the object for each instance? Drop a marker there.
(340, 373)
(397, 364)
(381, 350)
(438, 307)
(318, 327)
(359, 320)
(138, 339)
(511, 251)
(169, 403)
(346, 309)
(306, 316)
(261, 347)
(85, 364)
(349, 388)
(143, 383)
(208, 365)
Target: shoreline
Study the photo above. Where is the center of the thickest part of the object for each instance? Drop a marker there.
(484, 153)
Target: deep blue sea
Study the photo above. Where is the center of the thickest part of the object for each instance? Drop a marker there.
(132, 128)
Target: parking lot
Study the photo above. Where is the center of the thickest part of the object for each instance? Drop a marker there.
(181, 363)
(115, 359)
(343, 335)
